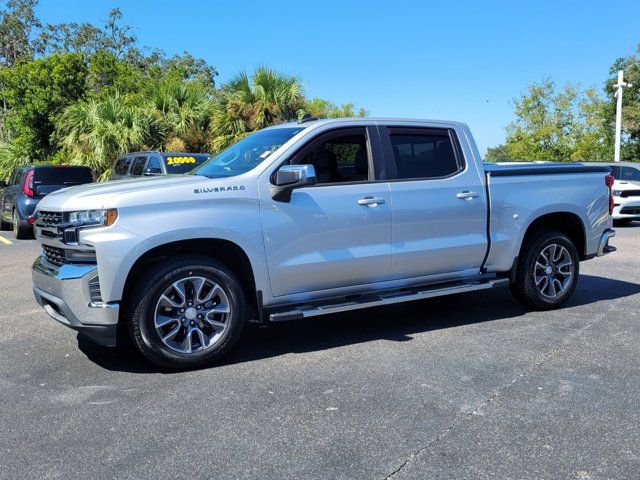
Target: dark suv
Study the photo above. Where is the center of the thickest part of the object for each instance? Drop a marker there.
(150, 164)
(27, 186)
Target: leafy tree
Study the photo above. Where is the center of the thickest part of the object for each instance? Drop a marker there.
(248, 103)
(563, 125)
(18, 26)
(34, 95)
(497, 154)
(321, 108)
(95, 132)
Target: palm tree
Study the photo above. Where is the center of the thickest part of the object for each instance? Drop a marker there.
(94, 133)
(184, 111)
(246, 104)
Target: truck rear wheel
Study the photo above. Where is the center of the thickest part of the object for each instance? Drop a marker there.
(187, 312)
(547, 271)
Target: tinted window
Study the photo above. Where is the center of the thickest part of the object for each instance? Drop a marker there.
(630, 173)
(424, 155)
(122, 166)
(184, 163)
(62, 176)
(153, 165)
(340, 158)
(615, 171)
(138, 166)
(248, 153)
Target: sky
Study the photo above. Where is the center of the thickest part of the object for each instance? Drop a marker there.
(462, 60)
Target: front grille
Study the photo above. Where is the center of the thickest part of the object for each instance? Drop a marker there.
(630, 193)
(94, 290)
(55, 255)
(48, 219)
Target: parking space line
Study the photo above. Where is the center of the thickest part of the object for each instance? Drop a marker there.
(5, 241)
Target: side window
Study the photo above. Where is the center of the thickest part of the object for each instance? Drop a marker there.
(630, 174)
(615, 171)
(423, 154)
(138, 166)
(153, 166)
(339, 157)
(122, 166)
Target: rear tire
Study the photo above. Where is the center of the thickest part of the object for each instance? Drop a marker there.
(165, 325)
(20, 232)
(547, 272)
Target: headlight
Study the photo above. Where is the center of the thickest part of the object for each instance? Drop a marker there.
(91, 217)
(616, 193)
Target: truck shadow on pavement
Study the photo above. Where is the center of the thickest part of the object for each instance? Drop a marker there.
(395, 323)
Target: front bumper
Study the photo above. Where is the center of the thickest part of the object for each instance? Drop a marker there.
(64, 293)
(626, 209)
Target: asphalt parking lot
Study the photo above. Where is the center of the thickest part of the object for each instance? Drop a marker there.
(470, 386)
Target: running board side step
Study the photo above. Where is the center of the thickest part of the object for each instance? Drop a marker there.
(385, 298)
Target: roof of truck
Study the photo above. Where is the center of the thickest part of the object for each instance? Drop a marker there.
(369, 120)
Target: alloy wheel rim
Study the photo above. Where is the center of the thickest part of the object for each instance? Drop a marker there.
(192, 314)
(553, 273)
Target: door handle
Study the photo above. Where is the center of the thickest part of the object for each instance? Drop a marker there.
(371, 201)
(467, 195)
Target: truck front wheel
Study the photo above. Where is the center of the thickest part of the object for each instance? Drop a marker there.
(547, 271)
(186, 312)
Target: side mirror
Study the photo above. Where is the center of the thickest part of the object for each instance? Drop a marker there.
(3, 184)
(289, 177)
(150, 172)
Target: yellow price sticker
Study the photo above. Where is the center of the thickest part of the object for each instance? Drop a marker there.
(180, 160)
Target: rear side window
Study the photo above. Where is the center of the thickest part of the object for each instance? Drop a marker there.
(424, 154)
(67, 176)
(122, 166)
(630, 174)
(138, 166)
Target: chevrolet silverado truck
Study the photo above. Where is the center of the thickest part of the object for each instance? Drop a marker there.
(307, 219)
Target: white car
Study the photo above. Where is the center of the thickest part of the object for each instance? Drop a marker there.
(626, 197)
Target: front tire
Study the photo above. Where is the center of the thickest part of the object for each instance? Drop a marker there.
(187, 313)
(547, 272)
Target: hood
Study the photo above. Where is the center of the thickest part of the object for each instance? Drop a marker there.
(105, 194)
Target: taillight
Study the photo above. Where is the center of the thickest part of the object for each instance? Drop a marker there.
(27, 188)
(608, 180)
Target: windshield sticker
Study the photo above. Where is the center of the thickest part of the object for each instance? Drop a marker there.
(228, 188)
(180, 160)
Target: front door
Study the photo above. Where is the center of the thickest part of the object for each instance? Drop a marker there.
(336, 233)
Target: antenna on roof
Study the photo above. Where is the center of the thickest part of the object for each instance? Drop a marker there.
(307, 118)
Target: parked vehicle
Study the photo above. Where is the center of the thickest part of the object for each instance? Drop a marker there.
(626, 190)
(306, 219)
(27, 186)
(151, 164)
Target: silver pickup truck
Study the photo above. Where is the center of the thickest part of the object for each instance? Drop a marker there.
(307, 219)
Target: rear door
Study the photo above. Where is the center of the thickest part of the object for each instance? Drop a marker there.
(137, 166)
(439, 205)
(9, 196)
(336, 233)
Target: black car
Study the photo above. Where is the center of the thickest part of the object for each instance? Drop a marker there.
(27, 186)
(150, 164)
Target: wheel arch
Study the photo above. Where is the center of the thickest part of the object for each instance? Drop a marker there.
(228, 253)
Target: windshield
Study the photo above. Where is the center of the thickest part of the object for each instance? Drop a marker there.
(182, 163)
(247, 154)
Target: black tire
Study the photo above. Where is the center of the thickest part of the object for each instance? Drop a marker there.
(20, 231)
(524, 287)
(150, 287)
